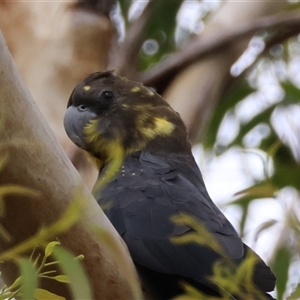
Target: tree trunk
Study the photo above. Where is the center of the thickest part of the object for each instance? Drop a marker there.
(36, 160)
(55, 45)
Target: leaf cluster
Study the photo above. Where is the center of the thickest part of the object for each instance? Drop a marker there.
(40, 266)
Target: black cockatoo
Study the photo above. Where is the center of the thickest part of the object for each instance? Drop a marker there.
(149, 176)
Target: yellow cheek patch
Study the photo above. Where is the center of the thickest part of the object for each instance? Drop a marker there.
(135, 89)
(161, 127)
(112, 148)
(91, 132)
(115, 159)
(87, 88)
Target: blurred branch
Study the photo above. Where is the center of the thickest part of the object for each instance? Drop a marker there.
(97, 6)
(283, 35)
(125, 56)
(196, 90)
(202, 46)
(278, 38)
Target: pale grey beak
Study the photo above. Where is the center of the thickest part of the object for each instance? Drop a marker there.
(74, 121)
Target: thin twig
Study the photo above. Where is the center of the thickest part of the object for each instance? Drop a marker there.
(125, 56)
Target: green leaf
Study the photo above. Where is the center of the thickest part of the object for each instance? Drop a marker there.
(292, 93)
(41, 294)
(262, 117)
(191, 293)
(262, 190)
(36, 260)
(270, 143)
(280, 267)
(29, 278)
(4, 234)
(263, 227)
(161, 27)
(286, 169)
(237, 280)
(15, 284)
(258, 191)
(236, 93)
(14, 189)
(68, 219)
(71, 267)
(61, 278)
(49, 248)
(125, 5)
(201, 235)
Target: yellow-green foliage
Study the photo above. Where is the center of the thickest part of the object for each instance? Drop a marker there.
(231, 279)
(32, 270)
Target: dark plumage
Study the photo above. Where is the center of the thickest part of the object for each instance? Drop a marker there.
(141, 147)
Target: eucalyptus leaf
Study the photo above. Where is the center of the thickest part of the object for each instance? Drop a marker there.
(29, 278)
(234, 95)
(281, 265)
(41, 294)
(71, 267)
(292, 93)
(161, 29)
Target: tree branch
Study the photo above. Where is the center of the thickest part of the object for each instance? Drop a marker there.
(208, 44)
(196, 91)
(36, 160)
